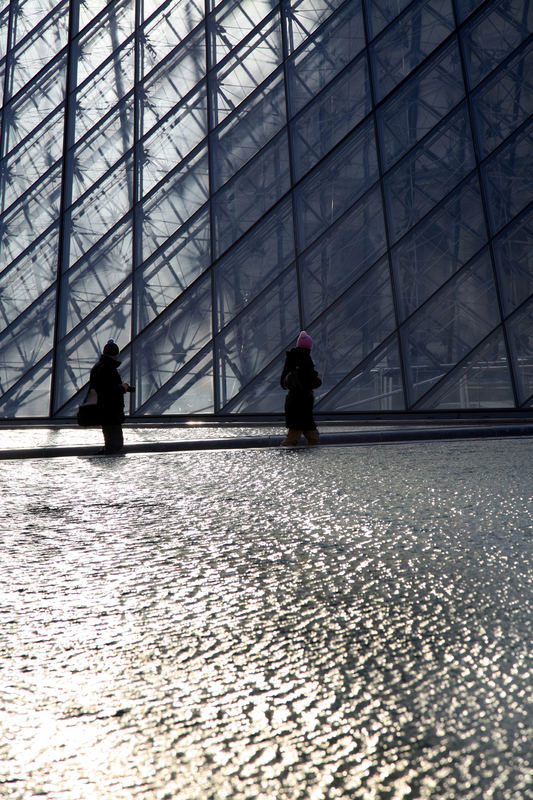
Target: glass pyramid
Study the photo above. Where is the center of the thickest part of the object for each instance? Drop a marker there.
(201, 180)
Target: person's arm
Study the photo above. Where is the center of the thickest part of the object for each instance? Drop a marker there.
(317, 380)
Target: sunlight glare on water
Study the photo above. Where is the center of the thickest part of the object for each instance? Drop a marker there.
(260, 624)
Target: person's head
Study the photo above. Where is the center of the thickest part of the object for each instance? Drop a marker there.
(111, 348)
(304, 340)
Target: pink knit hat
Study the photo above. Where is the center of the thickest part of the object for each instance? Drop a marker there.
(304, 340)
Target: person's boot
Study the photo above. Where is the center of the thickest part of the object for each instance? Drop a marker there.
(292, 438)
(313, 437)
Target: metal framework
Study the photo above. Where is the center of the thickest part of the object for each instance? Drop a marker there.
(201, 180)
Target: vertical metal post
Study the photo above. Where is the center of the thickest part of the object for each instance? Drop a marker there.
(8, 82)
(287, 45)
(66, 200)
(397, 333)
(211, 122)
(137, 193)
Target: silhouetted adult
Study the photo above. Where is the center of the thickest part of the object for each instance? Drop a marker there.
(110, 388)
(300, 377)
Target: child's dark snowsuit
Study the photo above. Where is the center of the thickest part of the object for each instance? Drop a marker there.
(300, 377)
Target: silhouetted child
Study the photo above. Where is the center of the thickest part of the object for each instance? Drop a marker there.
(300, 377)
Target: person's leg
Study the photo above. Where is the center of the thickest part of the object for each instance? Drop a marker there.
(113, 438)
(312, 436)
(292, 438)
(292, 407)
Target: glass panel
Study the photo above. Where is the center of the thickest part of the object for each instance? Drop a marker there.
(263, 395)
(28, 278)
(252, 63)
(31, 160)
(100, 209)
(520, 334)
(173, 80)
(30, 397)
(183, 128)
(103, 91)
(502, 104)
(404, 45)
(189, 392)
(102, 149)
(69, 409)
(494, 34)
(30, 109)
(104, 40)
(253, 263)
(253, 191)
(93, 279)
(334, 114)
(417, 107)
(47, 39)
(438, 246)
(173, 139)
(381, 12)
(513, 255)
(304, 17)
(256, 336)
(508, 179)
(248, 129)
(26, 341)
(428, 173)
(342, 255)
(374, 385)
(335, 184)
(82, 348)
(182, 259)
(231, 23)
(482, 380)
(315, 65)
(164, 31)
(89, 9)
(175, 201)
(4, 23)
(178, 335)
(449, 325)
(27, 14)
(151, 7)
(463, 8)
(354, 326)
(31, 216)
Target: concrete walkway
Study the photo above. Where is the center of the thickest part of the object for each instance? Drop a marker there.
(382, 436)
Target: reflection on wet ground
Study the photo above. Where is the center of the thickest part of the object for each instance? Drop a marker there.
(72, 435)
(328, 623)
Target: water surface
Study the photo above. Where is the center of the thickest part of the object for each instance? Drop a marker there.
(324, 623)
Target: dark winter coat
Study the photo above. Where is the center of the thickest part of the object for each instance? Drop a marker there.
(299, 377)
(105, 379)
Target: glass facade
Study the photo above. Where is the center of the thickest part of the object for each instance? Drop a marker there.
(201, 179)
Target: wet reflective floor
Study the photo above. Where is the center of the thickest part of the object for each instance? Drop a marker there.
(334, 622)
